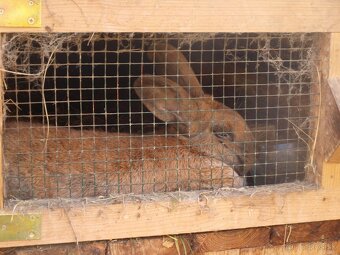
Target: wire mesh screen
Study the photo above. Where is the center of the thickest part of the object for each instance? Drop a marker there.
(101, 114)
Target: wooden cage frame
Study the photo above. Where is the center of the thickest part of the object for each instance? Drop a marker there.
(320, 202)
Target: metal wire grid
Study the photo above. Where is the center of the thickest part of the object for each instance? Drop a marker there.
(79, 128)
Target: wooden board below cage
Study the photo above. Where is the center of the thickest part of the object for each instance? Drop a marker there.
(99, 220)
(288, 236)
(139, 247)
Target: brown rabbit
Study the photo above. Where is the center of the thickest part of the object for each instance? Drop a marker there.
(225, 124)
(206, 141)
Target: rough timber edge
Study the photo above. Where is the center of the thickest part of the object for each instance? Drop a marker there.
(178, 213)
(187, 16)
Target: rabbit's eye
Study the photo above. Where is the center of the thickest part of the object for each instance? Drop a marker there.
(226, 135)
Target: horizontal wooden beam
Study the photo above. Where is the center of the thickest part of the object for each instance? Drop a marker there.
(305, 232)
(165, 246)
(188, 16)
(265, 236)
(201, 243)
(231, 239)
(295, 249)
(264, 206)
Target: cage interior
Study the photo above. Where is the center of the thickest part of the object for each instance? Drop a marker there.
(100, 114)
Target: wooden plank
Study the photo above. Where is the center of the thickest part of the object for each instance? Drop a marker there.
(231, 239)
(229, 252)
(252, 208)
(167, 245)
(335, 248)
(202, 242)
(331, 169)
(328, 137)
(256, 251)
(335, 158)
(334, 84)
(188, 15)
(2, 188)
(334, 75)
(331, 176)
(102, 248)
(305, 232)
(334, 68)
(296, 249)
(330, 248)
(334, 56)
(264, 236)
(97, 248)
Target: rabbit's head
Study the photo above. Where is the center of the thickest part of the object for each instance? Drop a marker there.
(175, 96)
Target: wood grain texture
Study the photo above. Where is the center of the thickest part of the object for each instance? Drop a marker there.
(334, 58)
(201, 243)
(2, 74)
(334, 84)
(334, 70)
(265, 236)
(260, 207)
(297, 249)
(189, 16)
(96, 248)
(335, 248)
(316, 248)
(167, 245)
(231, 239)
(335, 158)
(331, 176)
(328, 137)
(329, 129)
(102, 248)
(305, 232)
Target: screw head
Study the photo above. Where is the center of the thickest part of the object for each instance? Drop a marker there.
(31, 20)
(30, 2)
(31, 235)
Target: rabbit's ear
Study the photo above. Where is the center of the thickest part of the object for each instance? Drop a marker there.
(171, 103)
(172, 63)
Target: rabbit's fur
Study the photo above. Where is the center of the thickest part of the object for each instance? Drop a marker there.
(197, 153)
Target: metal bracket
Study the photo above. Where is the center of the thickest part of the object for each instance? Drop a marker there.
(20, 13)
(20, 227)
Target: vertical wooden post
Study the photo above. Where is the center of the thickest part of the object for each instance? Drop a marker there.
(331, 168)
(331, 171)
(334, 67)
(1, 126)
(334, 58)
